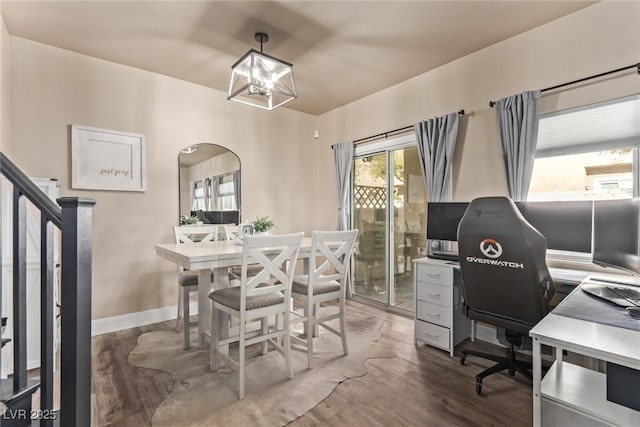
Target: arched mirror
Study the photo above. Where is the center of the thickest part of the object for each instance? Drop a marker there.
(209, 176)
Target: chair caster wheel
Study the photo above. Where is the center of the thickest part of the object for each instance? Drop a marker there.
(478, 387)
(463, 358)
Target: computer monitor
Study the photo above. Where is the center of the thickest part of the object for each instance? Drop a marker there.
(616, 234)
(217, 217)
(565, 224)
(230, 217)
(443, 219)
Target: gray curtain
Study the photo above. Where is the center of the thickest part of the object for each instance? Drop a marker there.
(436, 140)
(192, 195)
(206, 192)
(216, 193)
(343, 156)
(236, 188)
(518, 117)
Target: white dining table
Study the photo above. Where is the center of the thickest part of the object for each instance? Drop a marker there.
(217, 257)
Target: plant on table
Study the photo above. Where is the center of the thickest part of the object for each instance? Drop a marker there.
(189, 220)
(262, 225)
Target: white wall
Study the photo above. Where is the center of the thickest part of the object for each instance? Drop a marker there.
(593, 40)
(54, 88)
(5, 93)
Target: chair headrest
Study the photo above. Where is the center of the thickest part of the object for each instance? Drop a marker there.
(493, 228)
(495, 211)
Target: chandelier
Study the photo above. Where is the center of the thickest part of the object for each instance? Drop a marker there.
(261, 80)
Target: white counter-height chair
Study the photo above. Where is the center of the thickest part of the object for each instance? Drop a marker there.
(257, 299)
(231, 231)
(326, 281)
(188, 280)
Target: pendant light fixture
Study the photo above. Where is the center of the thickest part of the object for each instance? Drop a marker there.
(261, 80)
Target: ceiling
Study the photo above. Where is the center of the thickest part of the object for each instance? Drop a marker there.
(341, 50)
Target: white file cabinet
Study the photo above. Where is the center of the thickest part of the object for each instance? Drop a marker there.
(439, 321)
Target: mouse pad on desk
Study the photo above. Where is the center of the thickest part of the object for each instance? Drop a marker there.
(584, 306)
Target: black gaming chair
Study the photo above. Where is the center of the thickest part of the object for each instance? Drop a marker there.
(505, 277)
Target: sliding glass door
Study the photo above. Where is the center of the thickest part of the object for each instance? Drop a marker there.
(370, 217)
(389, 205)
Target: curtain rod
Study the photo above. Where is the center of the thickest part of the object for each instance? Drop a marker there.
(221, 175)
(584, 79)
(386, 134)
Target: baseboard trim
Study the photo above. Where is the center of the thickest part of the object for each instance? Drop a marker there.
(141, 318)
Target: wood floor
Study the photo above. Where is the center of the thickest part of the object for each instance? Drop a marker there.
(422, 386)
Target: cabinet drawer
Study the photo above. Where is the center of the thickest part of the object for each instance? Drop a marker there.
(433, 313)
(433, 293)
(434, 274)
(432, 334)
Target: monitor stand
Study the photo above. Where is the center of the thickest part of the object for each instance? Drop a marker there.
(447, 256)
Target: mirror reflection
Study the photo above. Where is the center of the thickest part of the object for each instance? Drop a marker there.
(209, 192)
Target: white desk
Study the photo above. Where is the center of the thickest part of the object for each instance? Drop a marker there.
(580, 391)
(216, 256)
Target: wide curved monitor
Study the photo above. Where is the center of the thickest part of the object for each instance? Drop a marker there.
(616, 234)
(565, 224)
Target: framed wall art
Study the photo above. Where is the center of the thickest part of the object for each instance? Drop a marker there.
(103, 159)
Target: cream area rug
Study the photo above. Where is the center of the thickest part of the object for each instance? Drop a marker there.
(204, 398)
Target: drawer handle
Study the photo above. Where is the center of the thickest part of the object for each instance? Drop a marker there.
(433, 295)
(433, 314)
(434, 275)
(432, 335)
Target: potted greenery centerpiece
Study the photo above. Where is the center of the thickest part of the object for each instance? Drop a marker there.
(190, 220)
(262, 225)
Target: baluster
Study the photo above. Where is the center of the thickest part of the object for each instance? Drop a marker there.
(47, 317)
(19, 291)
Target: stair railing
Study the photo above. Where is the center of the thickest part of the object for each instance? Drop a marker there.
(73, 217)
